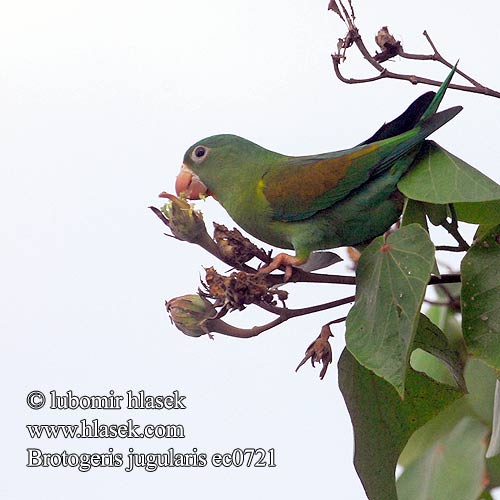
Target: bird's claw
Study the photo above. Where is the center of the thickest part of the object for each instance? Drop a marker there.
(283, 259)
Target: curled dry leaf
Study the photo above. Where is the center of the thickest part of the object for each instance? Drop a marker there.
(333, 6)
(354, 256)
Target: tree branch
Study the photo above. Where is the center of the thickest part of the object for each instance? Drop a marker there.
(298, 276)
(284, 314)
(391, 48)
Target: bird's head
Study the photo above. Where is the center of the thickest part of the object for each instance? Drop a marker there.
(212, 163)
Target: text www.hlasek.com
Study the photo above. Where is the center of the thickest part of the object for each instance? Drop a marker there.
(88, 428)
(95, 429)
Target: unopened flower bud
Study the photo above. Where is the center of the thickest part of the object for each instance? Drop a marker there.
(190, 313)
(185, 222)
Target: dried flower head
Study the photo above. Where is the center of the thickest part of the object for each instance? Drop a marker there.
(239, 289)
(389, 45)
(235, 248)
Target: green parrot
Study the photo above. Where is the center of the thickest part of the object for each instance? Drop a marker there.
(316, 202)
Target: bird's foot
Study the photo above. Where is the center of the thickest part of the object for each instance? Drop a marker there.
(283, 259)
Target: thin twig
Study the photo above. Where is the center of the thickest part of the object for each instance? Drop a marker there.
(452, 228)
(219, 326)
(447, 292)
(445, 278)
(453, 301)
(224, 328)
(351, 280)
(436, 303)
(448, 248)
(338, 320)
(413, 79)
(354, 38)
(292, 313)
(438, 57)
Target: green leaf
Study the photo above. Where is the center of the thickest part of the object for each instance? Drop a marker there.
(486, 212)
(422, 361)
(436, 213)
(453, 468)
(439, 177)
(414, 213)
(425, 437)
(478, 403)
(432, 340)
(481, 298)
(485, 495)
(446, 319)
(419, 211)
(493, 466)
(494, 446)
(481, 380)
(383, 422)
(483, 230)
(392, 277)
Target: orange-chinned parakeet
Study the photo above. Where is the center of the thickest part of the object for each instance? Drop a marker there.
(316, 202)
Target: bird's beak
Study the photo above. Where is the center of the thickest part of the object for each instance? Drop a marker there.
(189, 183)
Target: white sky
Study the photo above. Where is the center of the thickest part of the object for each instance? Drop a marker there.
(99, 101)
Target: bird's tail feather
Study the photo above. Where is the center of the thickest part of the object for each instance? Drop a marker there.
(434, 105)
(405, 121)
(404, 143)
(419, 110)
(437, 120)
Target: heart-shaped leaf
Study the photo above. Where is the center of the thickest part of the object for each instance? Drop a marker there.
(439, 177)
(392, 277)
(383, 422)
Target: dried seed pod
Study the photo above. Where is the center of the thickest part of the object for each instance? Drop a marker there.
(320, 351)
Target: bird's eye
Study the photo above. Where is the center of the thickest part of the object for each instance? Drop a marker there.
(199, 153)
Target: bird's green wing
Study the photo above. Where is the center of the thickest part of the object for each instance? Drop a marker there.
(302, 186)
(299, 187)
